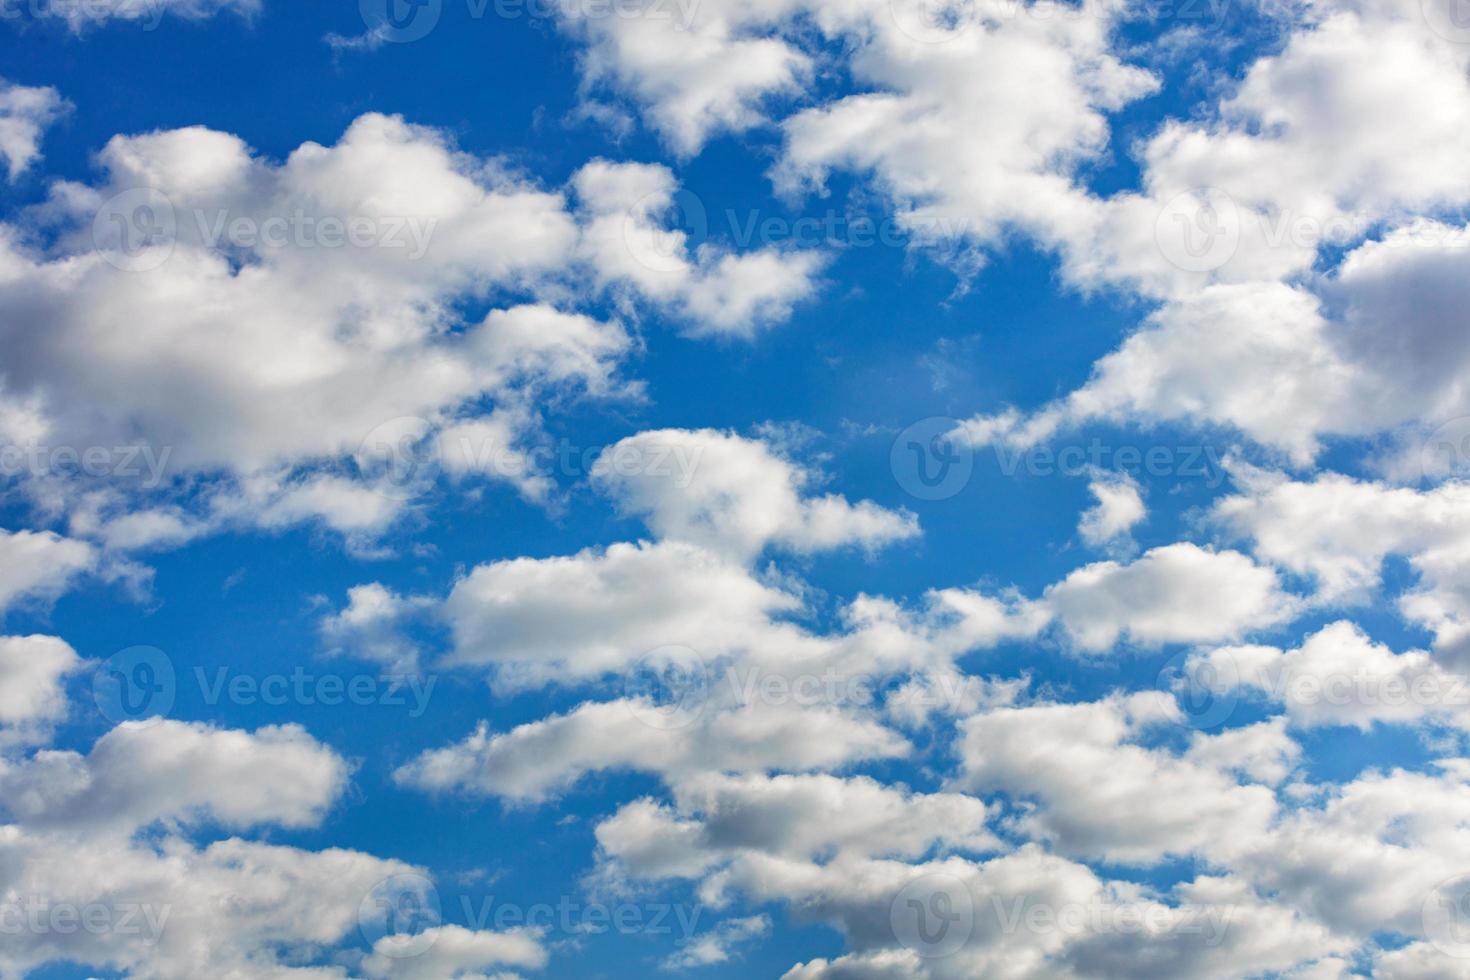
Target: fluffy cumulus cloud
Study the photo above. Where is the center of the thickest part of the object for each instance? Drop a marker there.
(105, 838)
(1052, 753)
(1119, 507)
(1180, 593)
(1226, 741)
(736, 496)
(1339, 676)
(39, 564)
(25, 113)
(296, 330)
(1338, 532)
(33, 671)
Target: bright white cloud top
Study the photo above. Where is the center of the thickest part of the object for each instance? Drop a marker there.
(442, 516)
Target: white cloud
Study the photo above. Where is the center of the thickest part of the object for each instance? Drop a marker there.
(718, 292)
(1338, 531)
(1151, 803)
(25, 113)
(179, 773)
(535, 760)
(717, 818)
(373, 626)
(39, 564)
(453, 952)
(1339, 676)
(717, 946)
(1119, 507)
(33, 670)
(735, 496)
(1179, 593)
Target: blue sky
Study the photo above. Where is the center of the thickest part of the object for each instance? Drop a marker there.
(483, 467)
